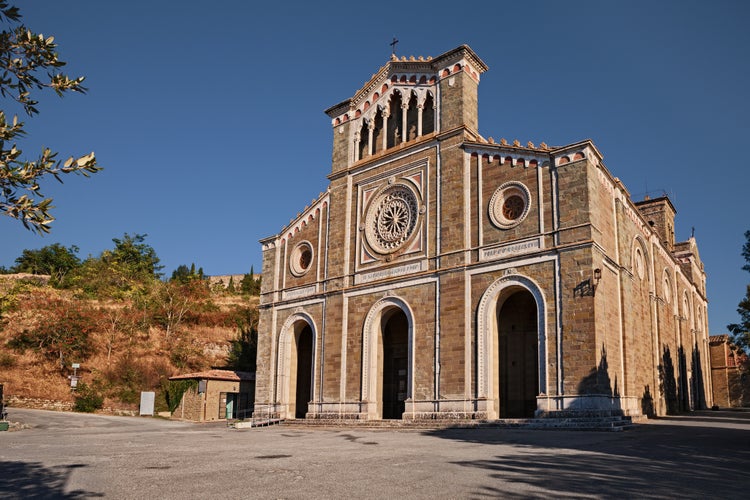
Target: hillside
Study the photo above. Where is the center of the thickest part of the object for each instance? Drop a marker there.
(123, 346)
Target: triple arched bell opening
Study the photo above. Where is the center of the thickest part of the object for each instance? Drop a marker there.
(404, 117)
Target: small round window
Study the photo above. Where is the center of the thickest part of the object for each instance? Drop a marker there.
(301, 259)
(509, 205)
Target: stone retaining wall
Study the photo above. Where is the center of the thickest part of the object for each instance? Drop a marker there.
(52, 405)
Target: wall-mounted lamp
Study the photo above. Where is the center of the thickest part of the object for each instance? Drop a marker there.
(597, 277)
(587, 287)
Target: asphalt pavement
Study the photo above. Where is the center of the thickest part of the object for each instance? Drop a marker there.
(70, 455)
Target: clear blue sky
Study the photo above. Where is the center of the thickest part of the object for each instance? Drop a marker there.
(208, 116)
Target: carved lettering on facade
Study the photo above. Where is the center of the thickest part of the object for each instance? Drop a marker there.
(510, 250)
(390, 272)
(298, 292)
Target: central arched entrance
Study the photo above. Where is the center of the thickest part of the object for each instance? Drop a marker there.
(395, 363)
(387, 359)
(518, 355)
(511, 378)
(303, 390)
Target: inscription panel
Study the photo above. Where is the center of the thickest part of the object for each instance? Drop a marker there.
(391, 272)
(517, 248)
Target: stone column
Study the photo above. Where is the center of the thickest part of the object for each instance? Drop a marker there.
(357, 138)
(405, 111)
(385, 114)
(420, 108)
(370, 131)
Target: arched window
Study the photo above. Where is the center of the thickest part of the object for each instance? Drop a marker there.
(428, 115)
(667, 288)
(412, 116)
(395, 120)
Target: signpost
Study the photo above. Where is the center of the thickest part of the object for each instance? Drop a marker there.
(74, 378)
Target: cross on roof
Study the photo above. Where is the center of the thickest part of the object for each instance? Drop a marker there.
(393, 46)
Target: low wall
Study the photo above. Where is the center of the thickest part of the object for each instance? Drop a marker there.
(52, 405)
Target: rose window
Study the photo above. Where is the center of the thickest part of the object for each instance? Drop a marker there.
(391, 219)
(513, 207)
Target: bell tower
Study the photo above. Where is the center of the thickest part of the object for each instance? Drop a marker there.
(406, 100)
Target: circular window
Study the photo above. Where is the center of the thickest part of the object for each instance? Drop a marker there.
(391, 218)
(638, 262)
(509, 205)
(301, 258)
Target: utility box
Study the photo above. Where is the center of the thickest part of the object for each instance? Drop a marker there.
(147, 403)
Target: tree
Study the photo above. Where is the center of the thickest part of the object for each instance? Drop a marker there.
(183, 274)
(119, 322)
(138, 258)
(741, 330)
(54, 260)
(172, 301)
(244, 348)
(30, 63)
(128, 270)
(61, 331)
(249, 284)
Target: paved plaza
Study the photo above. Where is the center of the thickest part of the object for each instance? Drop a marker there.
(68, 455)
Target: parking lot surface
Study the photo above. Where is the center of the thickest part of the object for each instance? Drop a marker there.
(68, 455)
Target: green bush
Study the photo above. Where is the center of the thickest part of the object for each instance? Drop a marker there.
(7, 360)
(87, 399)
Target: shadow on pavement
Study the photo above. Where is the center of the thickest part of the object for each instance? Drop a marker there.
(659, 461)
(33, 480)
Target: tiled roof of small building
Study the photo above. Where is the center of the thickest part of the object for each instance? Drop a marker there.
(231, 375)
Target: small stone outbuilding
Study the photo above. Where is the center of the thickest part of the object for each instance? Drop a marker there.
(218, 395)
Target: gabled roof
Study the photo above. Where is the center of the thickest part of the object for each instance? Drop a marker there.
(230, 375)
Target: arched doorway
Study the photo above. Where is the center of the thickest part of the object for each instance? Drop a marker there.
(387, 358)
(295, 380)
(303, 383)
(517, 355)
(493, 314)
(395, 363)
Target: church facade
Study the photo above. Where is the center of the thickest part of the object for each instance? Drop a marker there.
(448, 275)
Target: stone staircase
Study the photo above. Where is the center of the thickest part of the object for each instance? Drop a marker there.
(576, 422)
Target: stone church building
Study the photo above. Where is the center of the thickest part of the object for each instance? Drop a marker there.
(448, 275)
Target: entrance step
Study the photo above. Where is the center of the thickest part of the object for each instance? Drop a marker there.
(260, 422)
(594, 423)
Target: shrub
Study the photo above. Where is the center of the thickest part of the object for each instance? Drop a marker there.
(62, 331)
(87, 399)
(7, 360)
(187, 355)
